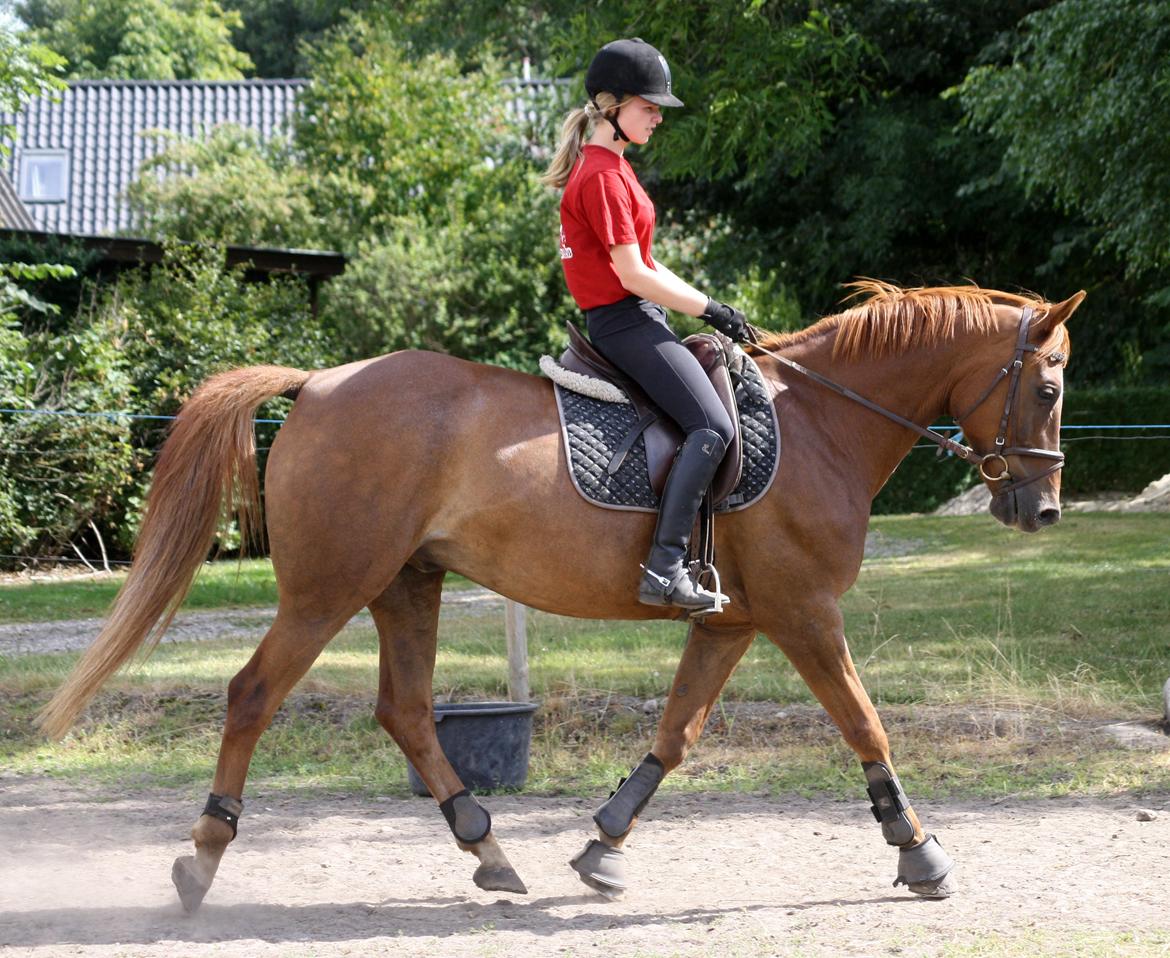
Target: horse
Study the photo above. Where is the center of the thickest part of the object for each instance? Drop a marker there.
(390, 472)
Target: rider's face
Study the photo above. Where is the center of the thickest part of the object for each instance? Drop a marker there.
(638, 118)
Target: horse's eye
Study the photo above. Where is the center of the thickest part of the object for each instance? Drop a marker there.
(1048, 392)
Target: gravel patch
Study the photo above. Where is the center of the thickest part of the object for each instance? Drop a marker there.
(27, 638)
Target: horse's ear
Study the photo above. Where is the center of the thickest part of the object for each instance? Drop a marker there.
(1059, 313)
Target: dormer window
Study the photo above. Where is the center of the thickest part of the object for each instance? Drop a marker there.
(44, 176)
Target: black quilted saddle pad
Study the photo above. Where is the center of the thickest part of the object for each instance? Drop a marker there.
(592, 431)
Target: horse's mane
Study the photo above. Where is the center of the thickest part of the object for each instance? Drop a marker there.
(892, 320)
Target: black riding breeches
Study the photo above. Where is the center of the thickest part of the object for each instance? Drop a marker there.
(633, 335)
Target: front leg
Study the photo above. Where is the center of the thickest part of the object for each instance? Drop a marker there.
(710, 655)
(812, 636)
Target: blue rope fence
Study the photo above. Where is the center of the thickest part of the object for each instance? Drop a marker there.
(111, 415)
(114, 415)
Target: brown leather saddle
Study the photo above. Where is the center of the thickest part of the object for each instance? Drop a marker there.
(662, 435)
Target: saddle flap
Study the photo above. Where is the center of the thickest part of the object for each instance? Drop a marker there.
(663, 436)
(609, 467)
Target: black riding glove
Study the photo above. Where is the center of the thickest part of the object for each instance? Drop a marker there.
(727, 319)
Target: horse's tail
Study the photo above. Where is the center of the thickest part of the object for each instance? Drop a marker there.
(207, 468)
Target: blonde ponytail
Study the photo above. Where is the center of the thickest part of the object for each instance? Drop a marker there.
(575, 131)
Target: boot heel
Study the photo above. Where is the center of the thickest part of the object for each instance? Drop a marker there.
(652, 598)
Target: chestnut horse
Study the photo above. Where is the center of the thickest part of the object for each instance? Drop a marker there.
(392, 471)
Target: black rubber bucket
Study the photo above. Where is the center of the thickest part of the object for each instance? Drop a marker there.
(486, 743)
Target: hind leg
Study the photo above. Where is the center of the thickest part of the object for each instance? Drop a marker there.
(407, 616)
(291, 645)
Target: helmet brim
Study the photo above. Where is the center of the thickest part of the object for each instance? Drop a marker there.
(662, 99)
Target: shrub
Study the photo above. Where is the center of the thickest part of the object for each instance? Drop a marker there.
(482, 282)
(61, 476)
(143, 343)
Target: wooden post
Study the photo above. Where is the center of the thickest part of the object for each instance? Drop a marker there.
(515, 624)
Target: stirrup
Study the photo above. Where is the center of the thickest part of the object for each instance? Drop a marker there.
(656, 589)
(717, 591)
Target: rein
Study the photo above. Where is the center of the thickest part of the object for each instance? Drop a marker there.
(1011, 371)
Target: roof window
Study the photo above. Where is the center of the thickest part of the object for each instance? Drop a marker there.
(44, 176)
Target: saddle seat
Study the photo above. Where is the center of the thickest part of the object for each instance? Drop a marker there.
(662, 435)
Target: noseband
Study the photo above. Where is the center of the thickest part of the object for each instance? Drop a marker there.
(983, 461)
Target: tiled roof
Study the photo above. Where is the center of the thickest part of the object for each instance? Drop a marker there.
(12, 214)
(99, 122)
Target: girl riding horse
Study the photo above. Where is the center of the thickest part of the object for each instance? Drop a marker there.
(607, 228)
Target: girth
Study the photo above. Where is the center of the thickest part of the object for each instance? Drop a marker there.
(661, 434)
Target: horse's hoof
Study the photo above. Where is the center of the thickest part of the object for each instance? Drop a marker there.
(939, 888)
(499, 879)
(926, 869)
(601, 868)
(188, 883)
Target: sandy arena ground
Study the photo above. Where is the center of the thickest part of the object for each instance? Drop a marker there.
(87, 873)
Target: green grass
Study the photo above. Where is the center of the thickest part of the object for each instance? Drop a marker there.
(1075, 616)
(219, 585)
(964, 623)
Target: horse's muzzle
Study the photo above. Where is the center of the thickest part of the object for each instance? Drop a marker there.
(1019, 510)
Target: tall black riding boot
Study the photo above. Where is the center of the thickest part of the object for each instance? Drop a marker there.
(666, 579)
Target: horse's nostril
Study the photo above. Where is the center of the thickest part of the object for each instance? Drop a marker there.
(1049, 517)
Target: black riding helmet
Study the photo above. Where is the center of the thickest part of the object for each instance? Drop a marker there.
(630, 68)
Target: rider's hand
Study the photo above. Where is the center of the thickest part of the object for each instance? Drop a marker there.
(727, 319)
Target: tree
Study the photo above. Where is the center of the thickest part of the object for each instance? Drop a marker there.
(139, 39)
(226, 188)
(27, 70)
(417, 170)
(890, 191)
(759, 80)
(1083, 111)
(384, 135)
(277, 34)
(482, 280)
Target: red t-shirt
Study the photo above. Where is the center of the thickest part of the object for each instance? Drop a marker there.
(603, 206)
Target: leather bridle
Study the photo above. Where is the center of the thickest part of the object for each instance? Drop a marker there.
(1012, 372)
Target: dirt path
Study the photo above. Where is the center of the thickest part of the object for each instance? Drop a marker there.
(26, 638)
(86, 873)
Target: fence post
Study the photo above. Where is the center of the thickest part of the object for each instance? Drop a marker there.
(515, 623)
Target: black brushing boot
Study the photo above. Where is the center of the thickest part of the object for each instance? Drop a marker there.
(666, 580)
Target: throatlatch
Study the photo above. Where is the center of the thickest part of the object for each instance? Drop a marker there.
(617, 815)
(469, 821)
(889, 803)
(225, 808)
